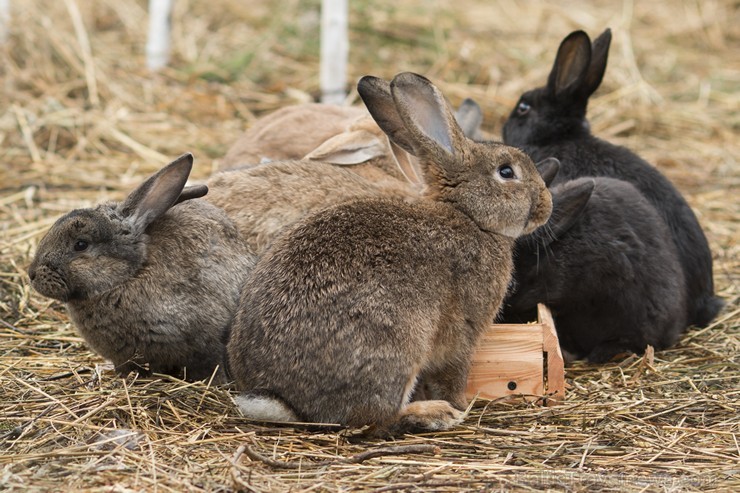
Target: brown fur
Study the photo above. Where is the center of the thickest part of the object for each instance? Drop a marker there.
(157, 285)
(365, 150)
(290, 133)
(263, 200)
(354, 304)
(340, 135)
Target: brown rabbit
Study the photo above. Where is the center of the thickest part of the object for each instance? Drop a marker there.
(265, 199)
(290, 133)
(340, 135)
(353, 305)
(149, 283)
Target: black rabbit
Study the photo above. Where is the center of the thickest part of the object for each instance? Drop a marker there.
(551, 121)
(606, 265)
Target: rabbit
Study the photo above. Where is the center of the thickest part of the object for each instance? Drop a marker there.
(551, 121)
(264, 200)
(607, 267)
(368, 151)
(290, 133)
(352, 305)
(150, 284)
(340, 135)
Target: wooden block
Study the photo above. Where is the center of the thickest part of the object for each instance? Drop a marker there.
(519, 359)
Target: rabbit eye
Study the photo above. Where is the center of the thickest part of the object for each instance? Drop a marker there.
(523, 108)
(506, 172)
(80, 245)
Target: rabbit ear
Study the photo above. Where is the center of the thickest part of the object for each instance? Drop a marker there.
(470, 117)
(571, 64)
(376, 94)
(349, 148)
(548, 168)
(597, 67)
(407, 165)
(192, 192)
(568, 205)
(427, 116)
(160, 192)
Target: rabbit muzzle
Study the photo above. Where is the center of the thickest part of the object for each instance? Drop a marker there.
(47, 281)
(540, 210)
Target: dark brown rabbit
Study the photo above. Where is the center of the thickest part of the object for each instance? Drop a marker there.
(606, 265)
(353, 305)
(551, 121)
(149, 284)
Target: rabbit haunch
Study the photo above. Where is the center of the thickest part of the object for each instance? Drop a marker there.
(551, 121)
(353, 305)
(149, 283)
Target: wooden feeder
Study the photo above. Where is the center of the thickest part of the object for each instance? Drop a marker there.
(519, 359)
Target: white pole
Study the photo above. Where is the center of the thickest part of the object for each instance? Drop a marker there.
(158, 38)
(334, 51)
(4, 20)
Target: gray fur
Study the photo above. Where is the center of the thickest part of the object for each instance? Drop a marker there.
(157, 285)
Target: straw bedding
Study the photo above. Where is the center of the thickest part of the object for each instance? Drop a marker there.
(82, 121)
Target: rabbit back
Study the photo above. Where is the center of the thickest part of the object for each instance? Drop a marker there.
(263, 200)
(289, 133)
(613, 278)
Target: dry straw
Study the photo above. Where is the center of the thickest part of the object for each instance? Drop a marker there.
(82, 121)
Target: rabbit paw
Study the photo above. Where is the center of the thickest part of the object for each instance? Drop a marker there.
(428, 416)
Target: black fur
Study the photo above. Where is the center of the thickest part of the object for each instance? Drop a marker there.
(551, 121)
(607, 267)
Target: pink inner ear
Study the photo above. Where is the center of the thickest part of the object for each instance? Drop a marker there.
(429, 115)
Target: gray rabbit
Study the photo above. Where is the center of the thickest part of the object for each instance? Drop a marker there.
(150, 283)
(354, 304)
(606, 265)
(551, 121)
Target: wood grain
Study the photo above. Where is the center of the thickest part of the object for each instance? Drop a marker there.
(515, 359)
